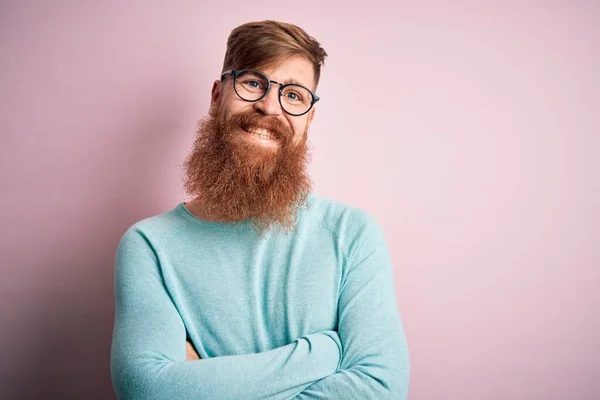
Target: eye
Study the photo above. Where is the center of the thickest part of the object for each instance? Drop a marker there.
(253, 84)
(294, 96)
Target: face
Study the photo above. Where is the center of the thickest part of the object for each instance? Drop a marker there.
(297, 69)
(249, 160)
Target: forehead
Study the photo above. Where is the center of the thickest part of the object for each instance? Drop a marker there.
(295, 69)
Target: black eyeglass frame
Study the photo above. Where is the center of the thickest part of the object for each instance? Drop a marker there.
(236, 72)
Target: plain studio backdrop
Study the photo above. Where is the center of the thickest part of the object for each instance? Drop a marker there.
(470, 130)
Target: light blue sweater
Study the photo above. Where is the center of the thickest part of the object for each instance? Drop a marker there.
(307, 315)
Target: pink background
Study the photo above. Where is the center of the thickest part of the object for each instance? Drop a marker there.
(470, 130)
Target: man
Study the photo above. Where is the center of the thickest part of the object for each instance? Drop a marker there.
(256, 288)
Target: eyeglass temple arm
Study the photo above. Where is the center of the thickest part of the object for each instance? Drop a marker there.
(225, 73)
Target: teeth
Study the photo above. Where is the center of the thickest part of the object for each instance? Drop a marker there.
(263, 133)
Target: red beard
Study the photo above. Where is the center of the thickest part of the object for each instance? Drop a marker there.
(236, 179)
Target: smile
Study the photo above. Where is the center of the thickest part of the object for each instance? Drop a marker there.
(261, 133)
(262, 136)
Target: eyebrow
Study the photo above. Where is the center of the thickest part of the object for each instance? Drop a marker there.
(295, 82)
(288, 81)
(291, 81)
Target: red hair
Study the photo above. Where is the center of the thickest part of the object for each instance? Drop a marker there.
(267, 43)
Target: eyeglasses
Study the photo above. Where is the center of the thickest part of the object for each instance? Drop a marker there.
(251, 85)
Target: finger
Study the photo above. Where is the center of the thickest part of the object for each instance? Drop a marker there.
(191, 353)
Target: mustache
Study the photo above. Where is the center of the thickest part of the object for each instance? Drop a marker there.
(251, 119)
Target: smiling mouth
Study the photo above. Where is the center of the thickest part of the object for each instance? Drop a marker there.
(260, 133)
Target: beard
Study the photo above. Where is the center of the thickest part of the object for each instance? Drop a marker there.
(235, 179)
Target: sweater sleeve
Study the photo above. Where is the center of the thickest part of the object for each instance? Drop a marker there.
(375, 363)
(148, 356)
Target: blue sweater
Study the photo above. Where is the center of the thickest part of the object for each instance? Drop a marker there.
(308, 315)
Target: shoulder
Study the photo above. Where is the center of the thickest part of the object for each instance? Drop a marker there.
(336, 215)
(353, 227)
(155, 228)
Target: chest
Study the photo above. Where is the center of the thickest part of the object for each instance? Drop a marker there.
(250, 298)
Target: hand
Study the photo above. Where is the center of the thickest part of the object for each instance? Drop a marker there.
(191, 353)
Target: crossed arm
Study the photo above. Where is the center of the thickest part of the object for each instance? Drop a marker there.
(366, 358)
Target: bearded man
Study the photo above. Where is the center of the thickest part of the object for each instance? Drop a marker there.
(257, 288)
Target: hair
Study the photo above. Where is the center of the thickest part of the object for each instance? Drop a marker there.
(268, 43)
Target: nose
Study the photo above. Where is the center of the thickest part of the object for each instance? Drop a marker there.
(269, 105)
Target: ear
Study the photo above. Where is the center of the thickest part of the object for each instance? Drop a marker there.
(311, 115)
(216, 92)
